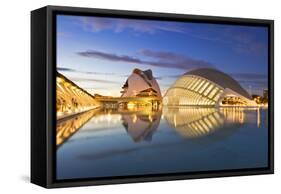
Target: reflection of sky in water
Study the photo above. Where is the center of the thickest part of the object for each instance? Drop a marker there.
(166, 141)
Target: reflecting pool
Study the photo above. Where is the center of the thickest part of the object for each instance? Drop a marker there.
(111, 142)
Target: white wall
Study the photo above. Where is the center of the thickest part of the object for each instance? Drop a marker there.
(15, 89)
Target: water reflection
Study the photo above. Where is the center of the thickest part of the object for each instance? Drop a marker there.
(67, 127)
(141, 124)
(198, 122)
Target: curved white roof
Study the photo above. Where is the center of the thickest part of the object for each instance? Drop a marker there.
(140, 81)
(221, 79)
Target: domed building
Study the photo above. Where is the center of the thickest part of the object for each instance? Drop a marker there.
(207, 87)
(141, 84)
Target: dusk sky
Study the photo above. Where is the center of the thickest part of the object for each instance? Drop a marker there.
(98, 54)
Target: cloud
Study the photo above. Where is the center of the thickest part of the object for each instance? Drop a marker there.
(249, 76)
(158, 59)
(239, 39)
(63, 34)
(97, 24)
(86, 72)
(94, 80)
(95, 88)
(242, 39)
(170, 59)
(66, 69)
(252, 82)
(163, 77)
(109, 56)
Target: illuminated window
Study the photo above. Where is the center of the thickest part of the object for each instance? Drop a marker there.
(196, 81)
(192, 83)
(205, 101)
(208, 89)
(61, 87)
(189, 81)
(197, 100)
(203, 87)
(216, 97)
(195, 84)
(199, 85)
(193, 98)
(213, 92)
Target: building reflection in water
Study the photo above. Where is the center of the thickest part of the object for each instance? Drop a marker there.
(199, 122)
(140, 124)
(193, 122)
(67, 127)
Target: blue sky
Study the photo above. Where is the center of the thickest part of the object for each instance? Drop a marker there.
(99, 53)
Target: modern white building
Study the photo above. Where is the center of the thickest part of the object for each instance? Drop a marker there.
(71, 99)
(207, 87)
(141, 84)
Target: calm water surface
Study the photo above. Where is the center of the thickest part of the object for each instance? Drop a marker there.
(102, 143)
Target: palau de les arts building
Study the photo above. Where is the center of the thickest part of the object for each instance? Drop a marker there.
(207, 87)
(141, 84)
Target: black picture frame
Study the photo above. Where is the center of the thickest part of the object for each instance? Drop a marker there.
(43, 113)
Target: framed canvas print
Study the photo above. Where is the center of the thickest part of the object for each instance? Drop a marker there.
(125, 96)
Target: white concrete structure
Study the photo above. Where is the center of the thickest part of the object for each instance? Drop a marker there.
(141, 83)
(71, 99)
(207, 87)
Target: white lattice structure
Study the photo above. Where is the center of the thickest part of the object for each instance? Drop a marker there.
(207, 87)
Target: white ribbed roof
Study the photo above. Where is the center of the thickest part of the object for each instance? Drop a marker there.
(221, 79)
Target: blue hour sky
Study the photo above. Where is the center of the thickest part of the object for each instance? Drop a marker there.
(99, 53)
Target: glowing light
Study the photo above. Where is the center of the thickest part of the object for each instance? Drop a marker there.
(135, 118)
(131, 105)
(150, 118)
(258, 118)
(66, 128)
(72, 99)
